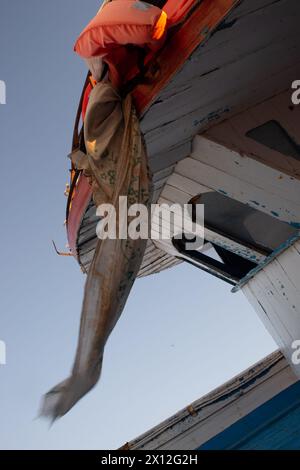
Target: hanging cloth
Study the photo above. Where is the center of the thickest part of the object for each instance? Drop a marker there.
(117, 166)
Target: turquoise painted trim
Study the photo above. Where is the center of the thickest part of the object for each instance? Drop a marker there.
(273, 425)
(284, 246)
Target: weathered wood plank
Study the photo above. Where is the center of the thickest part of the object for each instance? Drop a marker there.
(192, 100)
(220, 80)
(191, 187)
(243, 39)
(221, 408)
(246, 169)
(170, 263)
(166, 159)
(172, 195)
(88, 246)
(243, 191)
(275, 294)
(162, 174)
(199, 108)
(232, 133)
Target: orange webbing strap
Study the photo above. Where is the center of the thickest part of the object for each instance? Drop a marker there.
(76, 134)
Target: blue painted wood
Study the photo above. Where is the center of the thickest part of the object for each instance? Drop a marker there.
(273, 425)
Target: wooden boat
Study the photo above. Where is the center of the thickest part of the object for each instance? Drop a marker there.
(163, 150)
(219, 113)
(257, 410)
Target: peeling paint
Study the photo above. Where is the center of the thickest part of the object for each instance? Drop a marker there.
(213, 116)
(284, 246)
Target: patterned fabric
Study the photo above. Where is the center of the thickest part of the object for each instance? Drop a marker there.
(116, 165)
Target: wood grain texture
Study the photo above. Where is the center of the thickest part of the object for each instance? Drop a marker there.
(250, 57)
(275, 294)
(232, 133)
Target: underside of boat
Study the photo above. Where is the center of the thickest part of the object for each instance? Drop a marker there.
(210, 113)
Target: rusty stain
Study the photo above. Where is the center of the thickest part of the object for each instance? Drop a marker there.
(192, 411)
(125, 446)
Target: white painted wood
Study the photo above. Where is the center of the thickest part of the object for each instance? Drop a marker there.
(213, 96)
(274, 292)
(290, 263)
(172, 195)
(227, 74)
(267, 198)
(246, 169)
(222, 241)
(213, 167)
(232, 133)
(162, 174)
(191, 187)
(158, 266)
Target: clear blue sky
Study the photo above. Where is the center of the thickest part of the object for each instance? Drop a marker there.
(182, 333)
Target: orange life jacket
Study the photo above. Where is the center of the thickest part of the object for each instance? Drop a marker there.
(122, 22)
